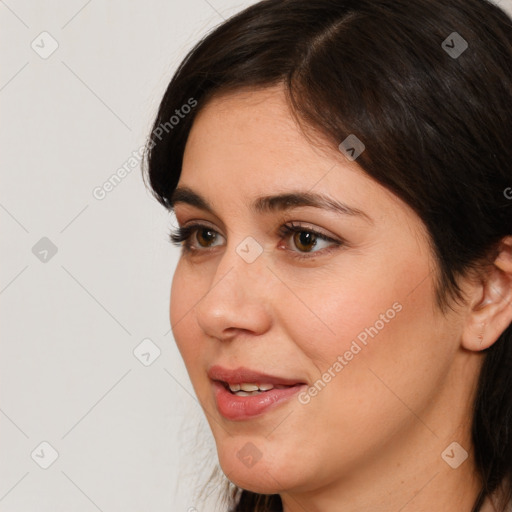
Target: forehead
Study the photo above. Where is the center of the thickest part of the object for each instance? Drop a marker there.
(252, 135)
(247, 144)
(249, 122)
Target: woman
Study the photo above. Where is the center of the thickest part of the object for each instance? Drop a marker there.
(340, 171)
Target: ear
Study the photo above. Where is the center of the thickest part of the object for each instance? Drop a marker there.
(491, 308)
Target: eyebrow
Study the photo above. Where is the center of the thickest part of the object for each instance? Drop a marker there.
(279, 202)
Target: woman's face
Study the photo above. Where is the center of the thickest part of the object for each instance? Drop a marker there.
(351, 322)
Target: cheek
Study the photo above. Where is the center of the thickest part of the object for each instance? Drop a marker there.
(184, 295)
(386, 361)
(179, 301)
(188, 287)
(382, 336)
(367, 298)
(371, 323)
(357, 302)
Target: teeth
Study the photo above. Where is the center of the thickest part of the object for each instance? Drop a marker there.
(248, 389)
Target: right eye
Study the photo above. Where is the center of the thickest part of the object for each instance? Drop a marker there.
(183, 236)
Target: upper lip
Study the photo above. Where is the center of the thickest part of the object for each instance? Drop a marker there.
(241, 374)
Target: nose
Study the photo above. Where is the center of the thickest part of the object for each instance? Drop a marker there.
(239, 297)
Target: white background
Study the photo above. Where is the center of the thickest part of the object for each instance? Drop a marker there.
(129, 437)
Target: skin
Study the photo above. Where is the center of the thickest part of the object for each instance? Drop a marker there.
(372, 438)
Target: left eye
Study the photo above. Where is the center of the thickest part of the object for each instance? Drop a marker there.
(304, 239)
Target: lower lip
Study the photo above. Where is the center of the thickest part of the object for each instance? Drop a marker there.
(234, 407)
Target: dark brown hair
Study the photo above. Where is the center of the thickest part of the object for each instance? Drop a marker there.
(436, 120)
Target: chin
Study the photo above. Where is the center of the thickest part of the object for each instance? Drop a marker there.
(255, 480)
(244, 463)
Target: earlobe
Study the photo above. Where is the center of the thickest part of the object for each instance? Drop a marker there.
(491, 314)
(481, 335)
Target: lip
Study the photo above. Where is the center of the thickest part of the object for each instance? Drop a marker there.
(242, 374)
(239, 408)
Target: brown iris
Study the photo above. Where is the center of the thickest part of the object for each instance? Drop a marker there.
(210, 236)
(304, 240)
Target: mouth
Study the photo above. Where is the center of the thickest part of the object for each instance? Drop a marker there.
(251, 389)
(242, 394)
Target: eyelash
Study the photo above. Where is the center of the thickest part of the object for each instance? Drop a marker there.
(181, 237)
